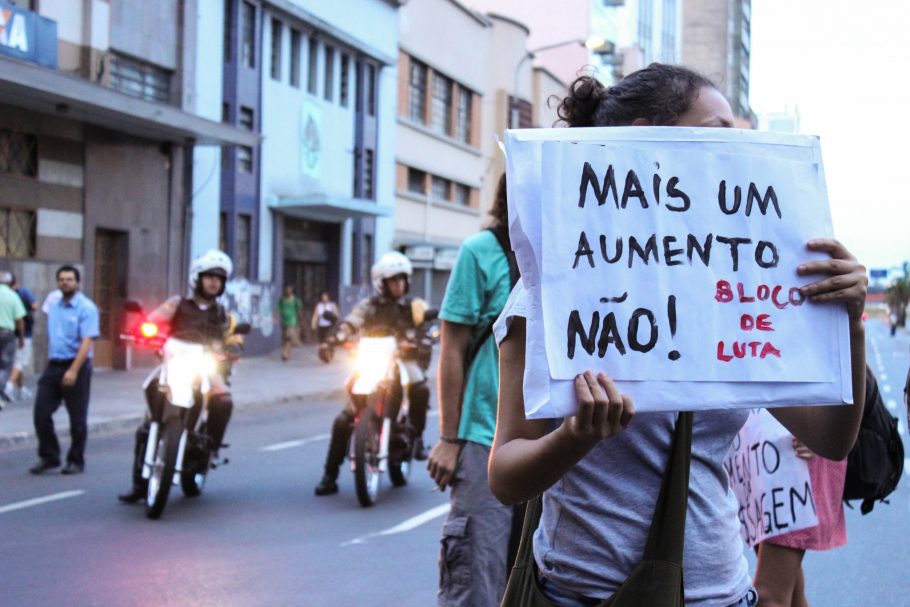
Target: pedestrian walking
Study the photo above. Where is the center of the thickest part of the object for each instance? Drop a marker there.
(290, 312)
(319, 322)
(72, 327)
(477, 523)
(12, 328)
(600, 471)
(15, 385)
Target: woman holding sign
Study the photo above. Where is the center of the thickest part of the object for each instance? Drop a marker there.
(600, 471)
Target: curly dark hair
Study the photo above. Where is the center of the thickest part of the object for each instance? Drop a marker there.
(659, 93)
(499, 212)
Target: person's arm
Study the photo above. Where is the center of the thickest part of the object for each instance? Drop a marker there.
(525, 460)
(20, 332)
(830, 431)
(454, 340)
(69, 378)
(314, 321)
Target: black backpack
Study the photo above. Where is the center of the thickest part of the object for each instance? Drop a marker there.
(876, 462)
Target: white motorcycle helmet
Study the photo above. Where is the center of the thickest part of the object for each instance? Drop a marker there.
(211, 262)
(391, 264)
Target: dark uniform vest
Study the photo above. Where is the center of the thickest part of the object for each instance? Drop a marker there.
(192, 324)
(385, 317)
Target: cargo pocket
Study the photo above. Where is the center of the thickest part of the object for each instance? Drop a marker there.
(455, 559)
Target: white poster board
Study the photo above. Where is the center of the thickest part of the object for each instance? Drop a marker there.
(771, 484)
(685, 367)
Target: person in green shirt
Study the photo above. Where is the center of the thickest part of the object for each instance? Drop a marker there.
(290, 312)
(477, 524)
(12, 315)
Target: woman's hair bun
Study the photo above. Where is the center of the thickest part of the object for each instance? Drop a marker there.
(580, 105)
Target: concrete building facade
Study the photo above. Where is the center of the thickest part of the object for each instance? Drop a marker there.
(96, 150)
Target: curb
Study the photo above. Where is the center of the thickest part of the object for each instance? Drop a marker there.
(128, 423)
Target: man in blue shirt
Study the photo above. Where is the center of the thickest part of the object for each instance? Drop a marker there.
(72, 326)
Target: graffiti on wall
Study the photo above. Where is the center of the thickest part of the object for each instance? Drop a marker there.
(251, 302)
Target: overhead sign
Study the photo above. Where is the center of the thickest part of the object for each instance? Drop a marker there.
(28, 36)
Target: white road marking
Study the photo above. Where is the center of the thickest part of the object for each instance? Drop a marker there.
(891, 404)
(40, 500)
(404, 526)
(886, 388)
(900, 427)
(907, 466)
(295, 443)
(883, 376)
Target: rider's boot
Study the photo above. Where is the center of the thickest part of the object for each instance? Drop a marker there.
(420, 450)
(327, 486)
(135, 494)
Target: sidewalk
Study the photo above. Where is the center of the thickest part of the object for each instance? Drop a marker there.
(117, 403)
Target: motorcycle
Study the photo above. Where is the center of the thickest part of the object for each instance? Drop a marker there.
(177, 448)
(383, 440)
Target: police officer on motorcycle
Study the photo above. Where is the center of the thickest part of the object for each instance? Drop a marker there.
(197, 319)
(388, 313)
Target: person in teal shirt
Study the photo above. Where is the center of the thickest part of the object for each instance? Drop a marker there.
(12, 315)
(477, 523)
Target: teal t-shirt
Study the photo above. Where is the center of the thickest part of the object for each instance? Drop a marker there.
(477, 291)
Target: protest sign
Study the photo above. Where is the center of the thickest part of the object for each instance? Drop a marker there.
(770, 483)
(669, 196)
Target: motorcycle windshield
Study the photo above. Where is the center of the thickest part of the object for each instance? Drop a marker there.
(184, 365)
(374, 356)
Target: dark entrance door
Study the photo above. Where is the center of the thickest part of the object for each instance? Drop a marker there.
(111, 276)
(311, 257)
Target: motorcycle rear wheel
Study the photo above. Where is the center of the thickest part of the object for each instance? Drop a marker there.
(366, 457)
(159, 485)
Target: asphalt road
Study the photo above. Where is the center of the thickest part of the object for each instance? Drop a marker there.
(258, 536)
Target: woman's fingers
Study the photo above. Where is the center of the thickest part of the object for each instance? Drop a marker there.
(846, 281)
(602, 409)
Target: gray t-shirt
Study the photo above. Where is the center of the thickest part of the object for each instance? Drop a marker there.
(596, 519)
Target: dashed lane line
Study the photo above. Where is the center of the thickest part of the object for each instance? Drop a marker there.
(295, 443)
(404, 526)
(40, 500)
(891, 404)
(886, 388)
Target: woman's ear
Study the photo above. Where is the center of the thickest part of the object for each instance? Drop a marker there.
(641, 122)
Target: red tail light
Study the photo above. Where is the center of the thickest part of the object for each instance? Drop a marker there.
(148, 330)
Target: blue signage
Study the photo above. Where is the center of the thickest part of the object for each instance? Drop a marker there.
(878, 273)
(28, 36)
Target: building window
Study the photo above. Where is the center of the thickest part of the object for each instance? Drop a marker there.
(463, 116)
(417, 181)
(345, 79)
(329, 82)
(312, 66)
(244, 159)
(228, 31)
(295, 58)
(276, 49)
(371, 89)
(417, 92)
(441, 108)
(246, 118)
(17, 233)
(248, 31)
(368, 174)
(225, 112)
(140, 79)
(18, 153)
(523, 111)
(462, 195)
(439, 188)
(242, 246)
(222, 231)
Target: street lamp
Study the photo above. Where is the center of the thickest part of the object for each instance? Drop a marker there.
(596, 44)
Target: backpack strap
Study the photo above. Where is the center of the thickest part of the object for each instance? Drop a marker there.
(502, 237)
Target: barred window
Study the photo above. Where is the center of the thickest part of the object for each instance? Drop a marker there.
(140, 79)
(312, 66)
(462, 195)
(439, 188)
(441, 118)
(368, 175)
(295, 58)
(242, 246)
(18, 153)
(276, 49)
(417, 181)
(244, 159)
(17, 233)
(248, 35)
(463, 117)
(345, 77)
(417, 92)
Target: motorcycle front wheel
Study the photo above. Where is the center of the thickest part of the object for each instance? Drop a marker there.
(159, 485)
(366, 457)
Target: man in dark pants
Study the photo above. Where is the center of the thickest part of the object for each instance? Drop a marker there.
(72, 327)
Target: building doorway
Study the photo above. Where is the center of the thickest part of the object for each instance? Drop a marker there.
(311, 263)
(111, 279)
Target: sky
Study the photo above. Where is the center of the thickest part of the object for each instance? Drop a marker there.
(845, 65)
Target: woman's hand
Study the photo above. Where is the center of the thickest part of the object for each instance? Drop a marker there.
(602, 410)
(802, 451)
(846, 281)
